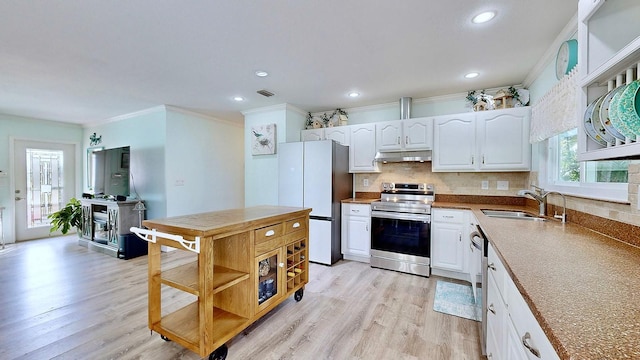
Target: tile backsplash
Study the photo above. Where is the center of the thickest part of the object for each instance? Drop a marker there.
(462, 183)
(444, 183)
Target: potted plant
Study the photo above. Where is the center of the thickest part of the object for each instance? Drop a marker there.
(67, 217)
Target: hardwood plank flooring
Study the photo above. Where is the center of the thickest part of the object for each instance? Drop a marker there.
(59, 300)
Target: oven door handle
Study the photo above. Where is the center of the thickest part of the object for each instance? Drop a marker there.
(401, 216)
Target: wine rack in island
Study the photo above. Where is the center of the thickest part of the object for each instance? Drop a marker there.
(244, 263)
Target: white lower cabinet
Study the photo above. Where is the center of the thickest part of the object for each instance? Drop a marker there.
(452, 253)
(496, 320)
(512, 330)
(356, 232)
(447, 245)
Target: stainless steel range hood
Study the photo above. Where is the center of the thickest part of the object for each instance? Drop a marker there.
(404, 156)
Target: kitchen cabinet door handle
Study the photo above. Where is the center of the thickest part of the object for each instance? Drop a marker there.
(472, 160)
(492, 266)
(366, 227)
(406, 140)
(270, 233)
(398, 140)
(355, 210)
(525, 342)
(491, 309)
(459, 236)
(296, 225)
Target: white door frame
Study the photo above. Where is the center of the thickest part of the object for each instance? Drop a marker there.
(11, 206)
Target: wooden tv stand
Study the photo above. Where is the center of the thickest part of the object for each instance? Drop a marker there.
(248, 261)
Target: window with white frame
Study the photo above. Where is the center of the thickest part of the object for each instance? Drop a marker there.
(595, 179)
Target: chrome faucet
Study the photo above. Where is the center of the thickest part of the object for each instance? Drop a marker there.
(540, 195)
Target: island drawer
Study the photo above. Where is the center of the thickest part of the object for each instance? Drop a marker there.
(295, 225)
(268, 232)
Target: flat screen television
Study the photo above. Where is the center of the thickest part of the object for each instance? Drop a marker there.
(108, 171)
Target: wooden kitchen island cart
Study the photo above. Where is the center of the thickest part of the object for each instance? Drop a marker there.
(244, 262)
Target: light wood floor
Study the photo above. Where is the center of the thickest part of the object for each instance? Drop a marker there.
(61, 301)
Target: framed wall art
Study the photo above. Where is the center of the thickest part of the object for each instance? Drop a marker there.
(263, 139)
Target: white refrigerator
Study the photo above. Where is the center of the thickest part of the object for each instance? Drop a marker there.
(315, 174)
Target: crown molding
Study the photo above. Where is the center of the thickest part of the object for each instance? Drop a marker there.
(202, 116)
(151, 110)
(290, 107)
(265, 109)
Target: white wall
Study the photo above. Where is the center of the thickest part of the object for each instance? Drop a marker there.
(204, 164)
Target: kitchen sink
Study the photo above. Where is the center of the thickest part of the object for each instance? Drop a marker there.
(510, 214)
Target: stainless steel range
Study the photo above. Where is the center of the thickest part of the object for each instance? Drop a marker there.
(401, 228)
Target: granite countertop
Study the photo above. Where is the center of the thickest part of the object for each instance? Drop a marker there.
(358, 201)
(583, 287)
(217, 222)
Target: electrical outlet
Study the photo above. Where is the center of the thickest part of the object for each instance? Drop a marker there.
(485, 185)
(503, 185)
(365, 182)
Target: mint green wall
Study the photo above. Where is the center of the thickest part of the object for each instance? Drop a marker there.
(419, 108)
(295, 122)
(145, 133)
(204, 164)
(261, 171)
(15, 127)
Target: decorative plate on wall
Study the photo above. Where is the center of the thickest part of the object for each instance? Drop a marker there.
(588, 125)
(627, 110)
(615, 117)
(597, 124)
(604, 114)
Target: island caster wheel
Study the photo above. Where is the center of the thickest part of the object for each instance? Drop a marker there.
(164, 338)
(298, 294)
(220, 353)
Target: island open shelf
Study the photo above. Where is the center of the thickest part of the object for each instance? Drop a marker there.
(237, 272)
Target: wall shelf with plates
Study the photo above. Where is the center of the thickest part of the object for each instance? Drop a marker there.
(609, 57)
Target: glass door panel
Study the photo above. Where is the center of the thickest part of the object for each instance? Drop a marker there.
(269, 269)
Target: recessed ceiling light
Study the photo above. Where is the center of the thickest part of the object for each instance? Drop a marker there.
(238, 98)
(483, 17)
(354, 94)
(471, 75)
(261, 73)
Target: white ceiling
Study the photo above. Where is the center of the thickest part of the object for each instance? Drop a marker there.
(84, 61)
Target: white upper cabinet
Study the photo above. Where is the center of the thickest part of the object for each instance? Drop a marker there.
(362, 150)
(312, 134)
(340, 134)
(503, 139)
(454, 143)
(409, 134)
(418, 133)
(608, 57)
(496, 140)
